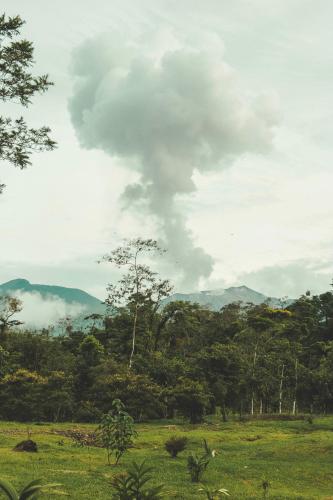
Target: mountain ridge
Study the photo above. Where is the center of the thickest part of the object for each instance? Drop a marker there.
(214, 299)
(68, 294)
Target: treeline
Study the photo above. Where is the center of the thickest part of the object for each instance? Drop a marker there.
(188, 361)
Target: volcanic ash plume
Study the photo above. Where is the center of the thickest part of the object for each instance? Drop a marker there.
(166, 115)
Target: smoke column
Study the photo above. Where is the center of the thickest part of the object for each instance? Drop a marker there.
(166, 113)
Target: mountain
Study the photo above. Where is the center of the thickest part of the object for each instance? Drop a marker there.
(71, 296)
(45, 305)
(215, 299)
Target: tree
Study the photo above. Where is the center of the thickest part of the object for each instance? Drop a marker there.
(192, 399)
(140, 285)
(9, 306)
(224, 367)
(90, 354)
(3, 361)
(22, 393)
(139, 393)
(17, 84)
(117, 431)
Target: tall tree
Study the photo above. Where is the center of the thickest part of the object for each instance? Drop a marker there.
(17, 84)
(140, 285)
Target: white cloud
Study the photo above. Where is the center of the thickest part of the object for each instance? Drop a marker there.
(41, 312)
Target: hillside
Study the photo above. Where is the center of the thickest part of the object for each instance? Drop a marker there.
(69, 295)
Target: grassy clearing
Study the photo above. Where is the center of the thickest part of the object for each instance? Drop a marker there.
(294, 456)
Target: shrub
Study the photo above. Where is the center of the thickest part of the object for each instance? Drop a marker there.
(197, 464)
(175, 445)
(30, 491)
(265, 487)
(132, 484)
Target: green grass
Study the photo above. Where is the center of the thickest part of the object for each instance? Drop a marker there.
(294, 456)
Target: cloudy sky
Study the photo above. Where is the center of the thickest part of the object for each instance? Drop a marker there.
(205, 124)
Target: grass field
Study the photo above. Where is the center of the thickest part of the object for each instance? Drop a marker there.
(294, 456)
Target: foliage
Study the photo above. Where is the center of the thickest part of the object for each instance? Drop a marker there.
(17, 84)
(197, 464)
(175, 445)
(214, 494)
(117, 431)
(141, 396)
(192, 399)
(9, 306)
(31, 490)
(132, 484)
(206, 362)
(29, 396)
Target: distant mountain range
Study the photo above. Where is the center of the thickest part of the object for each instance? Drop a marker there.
(87, 304)
(215, 299)
(70, 296)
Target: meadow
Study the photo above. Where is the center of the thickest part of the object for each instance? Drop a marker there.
(295, 457)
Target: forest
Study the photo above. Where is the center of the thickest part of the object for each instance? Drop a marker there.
(180, 359)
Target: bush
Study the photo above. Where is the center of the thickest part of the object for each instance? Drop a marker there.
(132, 484)
(31, 490)
(175, 445)
(197, 464)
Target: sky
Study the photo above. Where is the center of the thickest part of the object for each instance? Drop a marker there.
(205, 125)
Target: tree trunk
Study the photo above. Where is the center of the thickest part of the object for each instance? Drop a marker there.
(241, 410)
(280, 390)
(133, 335)
(295, 388)
(224, 413)
(253, 373)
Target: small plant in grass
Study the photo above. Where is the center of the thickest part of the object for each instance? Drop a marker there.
(214, 494)
(31, 490)
(131, 485)
(117, 431)
(197, 464)
(310, 419)
(175, 445)
(265, 487)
